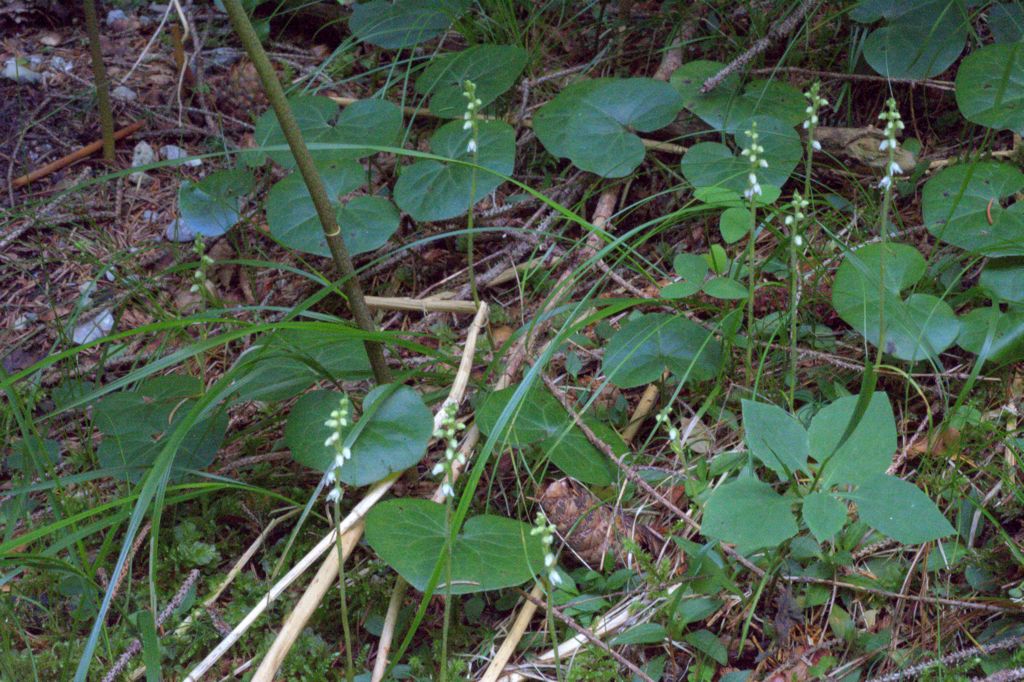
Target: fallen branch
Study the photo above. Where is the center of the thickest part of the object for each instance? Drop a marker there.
(64, 161)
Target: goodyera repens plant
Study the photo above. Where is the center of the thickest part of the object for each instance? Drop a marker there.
(893, 126)
(447, 431)
(546, 530)
(338, 421)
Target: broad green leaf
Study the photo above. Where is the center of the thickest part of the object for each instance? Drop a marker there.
(644, 633)
(321, 122)
(542, 420)
(916, 328)
(492, 68)
(291, 215)
(648, 345)
(434, 190)
(990, 87)
(708, 643)
(867, 11)
(1006, 22)
(491, 552)
(900, 510)
(1003, 279)
(735, 224)
(711, 164)
(750, 514)
(695, 609)
(920, 43)
(136, 423)
(867, 451)
(285, 363)
(211, 206)
(824, 515)
(724, 108)
(394, 440)
(725, 288)
(957, 203)
(691, 270)
(403, 23)
(1008, 341)
(367, 223)
(592, 122)
(775, 437)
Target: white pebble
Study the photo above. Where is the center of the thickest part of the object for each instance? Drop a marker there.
(124, 94)
(114, 16)
(173, 153)
(95, 328)
(19, 73)
(177, 231)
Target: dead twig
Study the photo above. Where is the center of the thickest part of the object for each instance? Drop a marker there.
(74, 156)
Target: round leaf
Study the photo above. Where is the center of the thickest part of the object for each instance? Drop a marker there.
(211, 206)
(1003, 279)
(710, 164)
(958, 202)
(725, 288)
(403, 23)
(394, 439)
(1006, 22)
(1007, 342)
(748, 513)
(920, 43)
(824, 515)
(916, 328)
(691, 270)
(900, 510)
(725, 107)
(734, 224)
(367, 222)
(492, 68)
(434, 190)
(591, 122)
(990, 87)
(490, 552)
(644, 347)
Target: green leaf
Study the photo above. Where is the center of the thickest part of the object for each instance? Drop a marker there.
(748, 513)
(900, 510)
(775, 437)
(735, 223)
(367, 223)
(1008, 341)
(920, 43)
(591, 122)
(691, 270)
(395, 438)
(957, 203)
(1003, 279)
(403, 23)
(492, 68)
(990, 87)
(867, 451)
(917, 328)
(136, 423)
(212, 206)
(1006, 22)
(724, 108)
(491, 552)
(285, 363)
(824, 515)
(542, 420)
(711, 164)
(644, 633)
(648, 345)
(431, 190)
(725, 288)
(366, 122)
(707, 643)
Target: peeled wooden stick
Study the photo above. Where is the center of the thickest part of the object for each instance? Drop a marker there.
(328, 572)
(423, 305)
(85, 151)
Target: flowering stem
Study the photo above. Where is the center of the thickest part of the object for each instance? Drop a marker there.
(472, 122)
(751, 287)
(447, 589)
(349, 666)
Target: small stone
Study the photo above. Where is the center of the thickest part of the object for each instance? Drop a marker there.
(94, 328)
(221, 57)
(20, 73)
(60, 65)
(177, 231)
(24, 321)
(124, 94)
(173, 153)
(150, 216)
(114, 16)
(51, 39)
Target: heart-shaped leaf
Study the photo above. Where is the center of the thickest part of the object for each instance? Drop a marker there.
(1007, 343)
(725, 288)
(367, 223)
(824, 515)
(434, 190)
(990, 87)
(900, 510)
(735, 223)
(136, 424)
(725, 107)
(592, 122)
(919, 43)
(1003, 279)
(489, 553)
(961, 206)
(1006, 22)
(867, 451)
(321, 122)
(711, 164)
(691, 270)
(492, 68)
(403, 23)
(775, 437)
(211, 206)
(917, 328)
(648, 345)
(748, 513)
(394, 439)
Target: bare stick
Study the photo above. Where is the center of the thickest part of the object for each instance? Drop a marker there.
(65, 161)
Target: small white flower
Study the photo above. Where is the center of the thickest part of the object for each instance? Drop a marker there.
(762, 163)
(334, 495)
(798, 241)
(346, 452)
(885, 182)
(471, 146)
(815, 145)
(894, 169)
(883, 145)
(788, 220)
(752, 179)
(332, 439)
(331, 476)
(438, 469)
(673, 433)
(554, 578)
(549, 560)
(468, 125)
(194, 288)
(447, 490)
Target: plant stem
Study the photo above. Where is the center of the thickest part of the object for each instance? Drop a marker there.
(752, 286)
(469, 235)
(448, 591)
(317, 191)
(350, 669)
(92, 28)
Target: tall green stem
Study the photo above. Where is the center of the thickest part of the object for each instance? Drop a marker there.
(350, 669)
(317, 191)
(92, 28)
